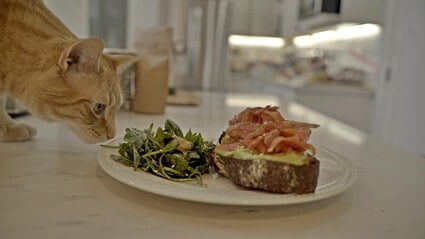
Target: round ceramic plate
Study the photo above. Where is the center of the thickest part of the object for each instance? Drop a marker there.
(336, 175)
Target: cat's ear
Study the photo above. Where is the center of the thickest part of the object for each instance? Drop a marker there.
(82, 55)
(118, 62)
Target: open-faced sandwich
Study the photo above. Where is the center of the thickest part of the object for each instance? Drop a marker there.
(262, 150)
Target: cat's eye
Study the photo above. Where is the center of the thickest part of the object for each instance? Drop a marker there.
(99, 108)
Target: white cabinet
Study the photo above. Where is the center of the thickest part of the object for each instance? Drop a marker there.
(371, 11)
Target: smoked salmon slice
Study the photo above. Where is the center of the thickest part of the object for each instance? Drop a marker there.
(265, 130)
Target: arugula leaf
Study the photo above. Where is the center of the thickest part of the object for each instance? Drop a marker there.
(193, 155)
(136, 157)
(172, 127)
(179, 162)
(172, 145)
(160, 135)
(121, 159)
(133, 135)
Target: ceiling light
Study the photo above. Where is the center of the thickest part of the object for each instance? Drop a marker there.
(303, 41)
(363, 30)
(256, 41)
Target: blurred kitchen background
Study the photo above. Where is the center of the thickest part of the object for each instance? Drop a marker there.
(359, 61)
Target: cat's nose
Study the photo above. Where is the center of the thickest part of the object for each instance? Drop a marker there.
(110, 131)
(110, 135)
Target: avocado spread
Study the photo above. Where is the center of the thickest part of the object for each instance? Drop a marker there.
(241, 153)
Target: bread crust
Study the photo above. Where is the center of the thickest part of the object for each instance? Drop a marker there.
(272, 176)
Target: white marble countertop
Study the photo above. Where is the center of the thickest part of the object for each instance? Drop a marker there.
(52, 187)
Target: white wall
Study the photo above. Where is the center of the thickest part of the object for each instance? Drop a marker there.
(141, 14)
(289, 13)
(241, 16)
(400, 108)
(75, 14)
(175, 15)
(265, 17)
(255, 17)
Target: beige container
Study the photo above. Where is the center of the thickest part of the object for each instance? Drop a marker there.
(151, 88)
(154, 46)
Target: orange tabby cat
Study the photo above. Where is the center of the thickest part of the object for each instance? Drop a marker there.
(56, 75)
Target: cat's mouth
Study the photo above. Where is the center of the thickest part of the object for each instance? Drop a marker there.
(93, 137)
(89, 136)
(91, 140)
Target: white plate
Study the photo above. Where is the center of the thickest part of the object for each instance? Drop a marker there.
(336, 175)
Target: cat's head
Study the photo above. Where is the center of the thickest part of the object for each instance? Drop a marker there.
(84, 91)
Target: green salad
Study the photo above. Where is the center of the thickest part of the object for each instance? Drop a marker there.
(165, 152)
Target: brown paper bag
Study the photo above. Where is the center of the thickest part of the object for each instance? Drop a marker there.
(154, 46)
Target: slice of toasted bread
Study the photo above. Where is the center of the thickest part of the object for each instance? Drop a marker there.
(272, 176)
